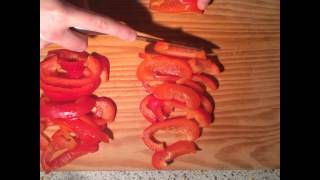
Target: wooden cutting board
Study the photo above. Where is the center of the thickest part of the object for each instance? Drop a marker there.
(246, 131)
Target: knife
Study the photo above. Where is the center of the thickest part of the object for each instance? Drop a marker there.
(139, 37)
(93, 33)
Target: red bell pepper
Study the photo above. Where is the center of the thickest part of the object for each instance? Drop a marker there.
(175, 6)
(105, 111)
(153, 109)
(105, 75)
(170, 49)
(57, 93)
(52, 73)
(195, 85)
(205, 80)
(74, 69)
(189, 127)
(161, 159)
(204, 66)
(70, 55)
(157, 65)
(184, 94)
(44, 139)
(75, 109)
(206, 104)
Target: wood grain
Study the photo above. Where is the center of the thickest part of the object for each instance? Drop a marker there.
(245, 134)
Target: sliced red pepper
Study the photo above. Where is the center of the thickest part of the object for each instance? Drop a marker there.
(152, 109)
(204, 66)
(161, 159)
(71, 155)
(105, 110)
(170, 49)
(57, 93)
(168, 91)
(189, 127)
(205, 80)
(175, 6)
(146, 112)
(158, 65)
(50, 72)
(206, 104)
(156, 110)
(54, 110)
(44, 139)
(74, 68)
(173, 79)
(105, 75)
(67, 54)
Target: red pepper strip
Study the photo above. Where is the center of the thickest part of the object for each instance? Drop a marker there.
(161, 159)
(169, 49)
(205, 80)
(61, 140)
(49, 73)
(201, 116)
(168, 91)
(152, 109)
(67, 54)
(189, 83)
(156, 110)
(175, 6)
(74, 68)
(44, 140)
(206, 104)
(204, 66)
(105, 75)
(71, 155)
(145, 111)
(56, 93)
(189, 127)
(54, 110)
(153, 65)
(105, 110)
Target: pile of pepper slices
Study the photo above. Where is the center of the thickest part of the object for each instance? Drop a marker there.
(77, 118)
(176, 77)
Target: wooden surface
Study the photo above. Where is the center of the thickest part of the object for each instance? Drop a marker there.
(245, 134)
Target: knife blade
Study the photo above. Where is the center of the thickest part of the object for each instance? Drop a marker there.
(93, 33)
(139, 37)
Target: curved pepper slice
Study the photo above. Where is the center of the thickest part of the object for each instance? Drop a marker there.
(57, 93)
(105, 111)
(205, 80)
(189, 127)
(161, 159)
(158, 65)
(51, 72)
(154, 109)
(85, 129)
(169, 49)
(70, 55)
(184, 94)
(105, 75)
(54, 110)
(175, 6)
(71, 155)
(204, 66)
(196, 86)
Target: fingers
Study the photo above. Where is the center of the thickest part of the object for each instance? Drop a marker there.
(103, 24)
(203, 4)
(70, 40)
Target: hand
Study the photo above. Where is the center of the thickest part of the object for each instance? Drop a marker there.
(203, 4)
(56, 17)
